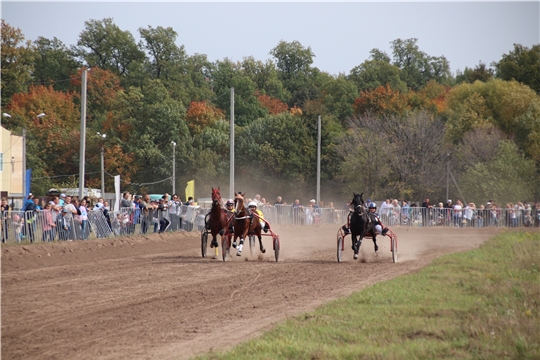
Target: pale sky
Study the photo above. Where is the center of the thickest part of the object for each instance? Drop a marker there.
(340, 34)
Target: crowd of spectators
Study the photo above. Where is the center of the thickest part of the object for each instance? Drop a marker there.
(63, 217)
(460, 214)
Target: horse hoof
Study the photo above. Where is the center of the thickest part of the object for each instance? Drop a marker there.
(376, 248)
(263, 250)
(239, 253)
(355, 256)
(234, 244)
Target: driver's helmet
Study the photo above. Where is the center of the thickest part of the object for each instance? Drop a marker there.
(252, 204)
(229, 202)
(372, 206)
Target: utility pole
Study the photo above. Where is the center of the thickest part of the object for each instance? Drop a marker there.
(447, 174)
(102, 136)
(173, 167)
(319, 160)
(231, 171)
(83, 135)
(24, 165)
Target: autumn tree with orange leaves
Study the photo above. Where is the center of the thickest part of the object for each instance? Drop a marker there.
(381, 101)
(52, 140)
(201, 114)
(274, 106)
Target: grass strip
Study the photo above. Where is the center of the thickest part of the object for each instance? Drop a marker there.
(481, 304)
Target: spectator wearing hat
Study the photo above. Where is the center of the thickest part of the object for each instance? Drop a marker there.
(449, 210)
(62, 199)
(64, 228)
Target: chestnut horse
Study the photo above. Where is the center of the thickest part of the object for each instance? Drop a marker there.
(245, 224)
(217, 218)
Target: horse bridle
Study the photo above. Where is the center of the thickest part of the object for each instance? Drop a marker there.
(238, 211)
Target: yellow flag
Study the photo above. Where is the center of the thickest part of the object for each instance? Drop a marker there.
(190, 189)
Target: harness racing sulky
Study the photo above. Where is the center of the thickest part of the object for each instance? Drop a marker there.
(364, 222)
(236, 222)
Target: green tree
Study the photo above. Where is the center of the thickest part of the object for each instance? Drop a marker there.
(480, 72)
(266, 78)
(293, 61)
(210, 164)
(102, 43)
(509, 177)
(338, 95)
(145, 123)
(227, 74)
(372, 74)
(16, 61)
(53, 64)
(512, 107)
(417, 68)
(163, 53)
(276, 151)
(522, 64)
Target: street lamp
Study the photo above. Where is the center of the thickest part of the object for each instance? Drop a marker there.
(319, 159)
(103, 136)
(6, 115)
(173, 167)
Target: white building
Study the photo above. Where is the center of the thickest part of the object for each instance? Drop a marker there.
(11, 165)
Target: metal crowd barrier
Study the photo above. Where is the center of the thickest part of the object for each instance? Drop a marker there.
(48, 225)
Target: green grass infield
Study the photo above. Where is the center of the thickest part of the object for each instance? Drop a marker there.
(480, 304)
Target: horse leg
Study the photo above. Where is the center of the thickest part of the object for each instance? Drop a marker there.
(263, 250)
(234, 240)
(240, 247)
(357, 247)
(375, 242)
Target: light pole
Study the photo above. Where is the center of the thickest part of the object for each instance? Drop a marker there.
(319, 160)
(447, 173)
(6, 115)
(102, 136)
(173, 167)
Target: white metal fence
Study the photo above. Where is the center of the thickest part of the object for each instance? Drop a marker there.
(48, 225)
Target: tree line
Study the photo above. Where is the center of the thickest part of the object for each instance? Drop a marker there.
(391, 127)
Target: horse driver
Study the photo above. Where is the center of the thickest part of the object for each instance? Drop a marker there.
(253, 207)
(229, 205)
(375, 218)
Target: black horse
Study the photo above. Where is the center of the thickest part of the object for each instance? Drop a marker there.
(361, 224)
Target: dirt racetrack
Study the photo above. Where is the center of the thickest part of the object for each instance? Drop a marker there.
(155, 297)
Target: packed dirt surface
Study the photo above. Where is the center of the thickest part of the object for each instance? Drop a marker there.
(155, 297)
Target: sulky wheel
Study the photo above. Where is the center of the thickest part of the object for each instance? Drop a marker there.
(204, 242)
(339, 248)
(252, 245)
(394, 249)
(225, 246)
(277, 246)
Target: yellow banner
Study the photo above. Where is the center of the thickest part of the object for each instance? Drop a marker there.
(190, 189)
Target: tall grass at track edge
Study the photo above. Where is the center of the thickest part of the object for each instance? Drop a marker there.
(481, 304)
